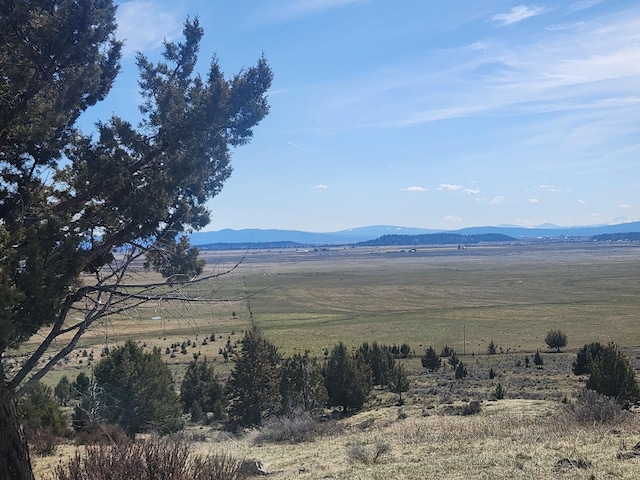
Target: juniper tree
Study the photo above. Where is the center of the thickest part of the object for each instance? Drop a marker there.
(253, 388)
(202, 385)
(138, 391)
(69, 200)
(430, 360)
(612, 375)
(302, 385)
(347, 378)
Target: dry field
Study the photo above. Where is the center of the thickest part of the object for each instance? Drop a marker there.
(434, 296)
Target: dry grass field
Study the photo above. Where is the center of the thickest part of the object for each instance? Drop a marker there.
(511, 294)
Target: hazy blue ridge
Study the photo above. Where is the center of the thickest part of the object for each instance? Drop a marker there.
(437, 239)
(362, 234)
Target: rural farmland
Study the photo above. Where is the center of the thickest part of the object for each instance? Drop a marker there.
(511, 295)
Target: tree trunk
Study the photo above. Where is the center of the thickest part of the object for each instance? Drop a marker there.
(15, 463)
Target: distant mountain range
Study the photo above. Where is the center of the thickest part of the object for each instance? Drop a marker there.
(276, 238)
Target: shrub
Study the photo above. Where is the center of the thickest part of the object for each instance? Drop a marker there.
(492, 349)
(430, 360)
(592, 407)
(147, 460)
(588, 353)
(360, 452)
(499, 392)
(556, 339)
(295, 428)
(472, 408)
(492, 373)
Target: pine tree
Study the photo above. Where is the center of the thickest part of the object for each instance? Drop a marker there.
(253, 388)
(430, 360)
(202, 385)
(69, 200)
(399, 381)
(138, 390)
(612, 375)
(302, 385)
(347, 378)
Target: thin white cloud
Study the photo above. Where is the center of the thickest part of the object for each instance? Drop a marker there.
(625, 205)
(448, 186)
(321, 186)
(143, 25)
(517, 14)
(582, 202)
(496, 200)
(583, 5)
(451, 219)
(295, 145)
(548, 188)
(534, 201)
(593, 70)
(278, 11)
(471, 191)
(414, 189)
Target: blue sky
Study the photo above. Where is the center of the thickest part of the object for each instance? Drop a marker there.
(419, 113)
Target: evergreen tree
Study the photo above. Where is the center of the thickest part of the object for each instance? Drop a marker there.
(68, 200)
(588, 354)
(201, 385)
(399, 381)
(176, 261)
(254, 385)
(138, 390)
(537, 359)
(302, 385)
(347, 378)
(612, 375)
(430, 360)
(39, 410)
(461, 371)
(380, 360)
(62, 391)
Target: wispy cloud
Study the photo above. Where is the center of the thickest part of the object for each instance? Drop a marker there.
(534, 201)
(517, 14)
(625, 205)
(547, 188)
(593, 70)
(279, 11)
(448, 186)
(144, 24)
(471, 191)
(496, 200)
(583, 5)
(414, 189)
(321, 186)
